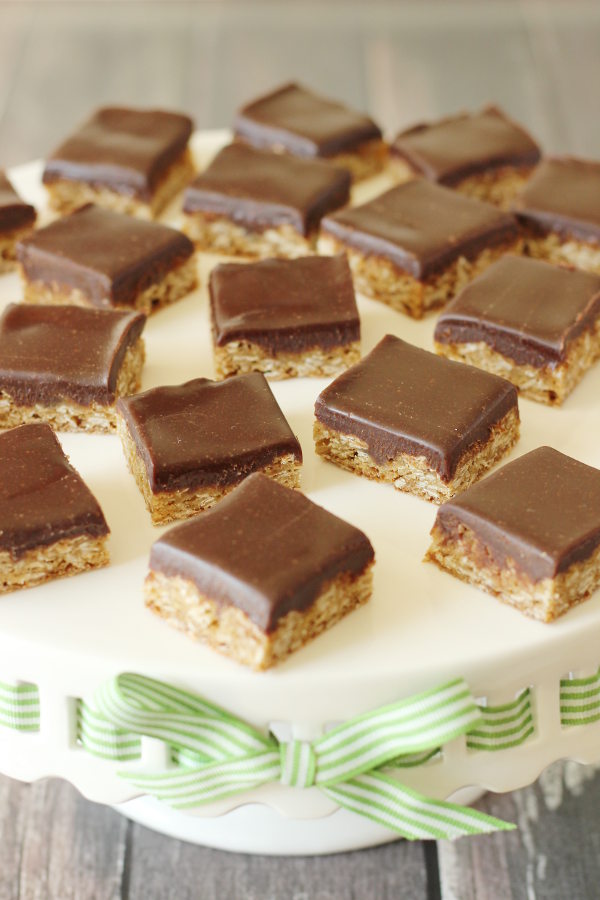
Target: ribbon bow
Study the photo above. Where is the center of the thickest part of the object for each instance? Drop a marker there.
(220, 755)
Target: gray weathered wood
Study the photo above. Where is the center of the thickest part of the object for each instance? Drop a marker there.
(14, 811)
(15, 24)
(57, 846)
(402, 61)
(77, 58)
(183, 872)
(565, 54)
(54, 844)
(554, 854)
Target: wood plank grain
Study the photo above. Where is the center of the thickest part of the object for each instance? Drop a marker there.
(421, 67)
(14, 810)
(565, 41)
(323, 51)
(403, 62)
(54, 844)
(179, 871)
(554, 854)
(15, 24)
(57, 846)
(78, 57)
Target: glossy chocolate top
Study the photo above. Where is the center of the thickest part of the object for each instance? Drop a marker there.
(303, 123)
(14, 212)
(421, 227)
(563, 196)
(42, 497)
(454, 148)
(541, 511)
(401, 399)
(525, 309)
(264, 548)
(204, 433)
(259, 190)
(285, 304)
(53, 353)
(127, 150)
(108, 256)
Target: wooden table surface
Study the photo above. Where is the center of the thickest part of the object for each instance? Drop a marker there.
(403, 62)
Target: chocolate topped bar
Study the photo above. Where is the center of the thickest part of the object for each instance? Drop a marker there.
(264, 548)
(303, 123)
(207, 433)
(111, 258)
(52, 353)
(524, 309)
(261, 190)
(563, 196)
(14, 212)
(401, 399)
(451, 149)
(42, 497)
(541, 512)
(421, 227)
(126, 150)
(283, 304)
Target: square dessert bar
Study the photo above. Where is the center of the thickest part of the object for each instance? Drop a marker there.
(428, 425)
(50, 523)
(559, 209)
(16, 219)
(130, 160)
(418, 244)
(261, 574)
(294, 120)
(254, 203)
(66, 365)
(97, 257)
(189, 445)
(529, 534)
(536, 324)
(484, 155)
(284, 317)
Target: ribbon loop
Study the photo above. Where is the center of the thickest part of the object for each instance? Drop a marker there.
(227, 756)
(298, 764)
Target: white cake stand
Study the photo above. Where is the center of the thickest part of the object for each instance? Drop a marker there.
(421, 628)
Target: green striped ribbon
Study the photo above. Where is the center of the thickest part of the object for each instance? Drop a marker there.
(19, 706)
(104, 740)
(580, 700)
(505, 726)
(351, 764)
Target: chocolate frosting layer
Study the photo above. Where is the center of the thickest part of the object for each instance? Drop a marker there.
(525, 309)
(42, 498)
(204, 433)
(14, 212)
(126, 150)
(562, 196)
(54, 353)
(421, 227)
(108, 256)
(451, 149)
(260, 190)
(541, 511)
(265, 549)
(285, 304)
(303, 123)
(401, 399)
